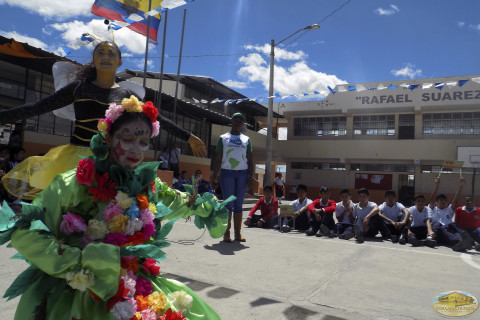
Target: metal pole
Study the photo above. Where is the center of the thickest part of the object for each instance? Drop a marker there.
(159, 100)
(146, 46)
(179, 65)
(268, 159)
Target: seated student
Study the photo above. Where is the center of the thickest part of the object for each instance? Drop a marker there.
(344, 214)
(367, 221)
(268, 206)
(395, 217)
(301, 213)
(468, 218)
(203, 185)
(440, 221)
(321, 213)
(418, 223)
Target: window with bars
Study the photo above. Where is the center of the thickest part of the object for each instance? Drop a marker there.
(451, 123)
(318, 165)
(320, 126)
(406, 126)
(382, 167)
(374, 125)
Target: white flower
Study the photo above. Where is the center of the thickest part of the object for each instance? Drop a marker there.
(180, 300)
(81, 280)
(123, 200)
(97, 229)
(129, 284)
(124, 310)
(133, 226)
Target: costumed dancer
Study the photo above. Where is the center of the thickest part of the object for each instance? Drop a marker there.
(93, 237)
(90, 95)
(234, 158)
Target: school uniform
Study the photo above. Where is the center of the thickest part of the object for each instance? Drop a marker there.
(446, 231)
(344, 225)
(394, 213)
(469, 221)
(326, 217)
(419, 222)
(375, 224)
(268, 213)
(301, 222)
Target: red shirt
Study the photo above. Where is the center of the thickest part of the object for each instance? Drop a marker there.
(266, 209)
(466, 220)
(329, 207)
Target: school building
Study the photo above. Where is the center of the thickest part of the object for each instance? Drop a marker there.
(390, 135)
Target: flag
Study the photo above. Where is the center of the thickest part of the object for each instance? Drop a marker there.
(129, 11)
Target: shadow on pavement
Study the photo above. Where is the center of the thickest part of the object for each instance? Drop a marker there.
(222, 293)
(298, 313)
(263, 301)
(228, 249)
(191, 283)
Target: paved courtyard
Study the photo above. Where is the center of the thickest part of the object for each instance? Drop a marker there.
(291, 276)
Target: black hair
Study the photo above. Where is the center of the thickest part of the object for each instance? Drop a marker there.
(324, 190)
(268, 188)
(419, 196)
(129, 117)
(363, 190)
(440, 196)
(88, 72)
(302, 187)
(390, 193)
(345, 191)
(198, 171)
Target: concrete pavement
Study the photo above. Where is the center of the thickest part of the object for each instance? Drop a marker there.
(291, 276)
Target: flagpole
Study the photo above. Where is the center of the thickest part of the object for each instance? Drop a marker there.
(179, 65)
(159, 100)
(146, 46)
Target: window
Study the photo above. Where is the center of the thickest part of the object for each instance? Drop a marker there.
(317, 165)
(406, 126)
(382, 167)
(320, 126)
(374, 125)
(451, 123)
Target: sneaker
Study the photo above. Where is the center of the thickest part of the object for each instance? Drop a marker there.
(413, 241)
(394, 238)
(348, 235)
(477, 247)
(402, 240)
(430, 242)
(341, 236)
(286, 229)
(319, 233)
(358, 234)
(310, 231)
(326, 231)
(464, 244)
(276, 227)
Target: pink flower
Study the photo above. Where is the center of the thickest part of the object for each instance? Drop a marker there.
(143, 287)
(148, 314)
(130, 284)
(72, 223)
(155, 128)
(111, 211)
(114, 111)
(85, 171)
(149, 230)
(146, 216)
(150, 266)
(117, 239)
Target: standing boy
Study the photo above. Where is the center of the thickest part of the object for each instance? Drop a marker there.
(321, 213)
(268, 206)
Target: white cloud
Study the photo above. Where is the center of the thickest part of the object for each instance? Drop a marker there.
(141, 64)
(460, 24)
(26, 39)
(387, 12)
(475, 27)
(53, 8)
(409, 71)
(72, 32)
(235, 84)
(280, 54)
(295, 79)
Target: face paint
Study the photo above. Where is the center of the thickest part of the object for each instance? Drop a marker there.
(130, 143)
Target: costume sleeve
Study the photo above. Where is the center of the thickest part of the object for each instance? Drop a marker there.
(59, 99)
(331, 207)
(45, 249)
(173, 128)
(208, 211)
(255, 208)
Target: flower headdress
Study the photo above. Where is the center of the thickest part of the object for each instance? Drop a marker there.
(131, 104)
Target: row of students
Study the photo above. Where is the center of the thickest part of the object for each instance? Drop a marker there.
(425, 223)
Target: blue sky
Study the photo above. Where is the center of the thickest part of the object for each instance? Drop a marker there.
(228, 40)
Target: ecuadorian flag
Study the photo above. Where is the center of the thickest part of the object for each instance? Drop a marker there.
(121, 10)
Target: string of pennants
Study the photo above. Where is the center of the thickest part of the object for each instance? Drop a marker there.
(342, 88)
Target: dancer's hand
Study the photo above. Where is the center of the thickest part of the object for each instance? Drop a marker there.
(197, 145)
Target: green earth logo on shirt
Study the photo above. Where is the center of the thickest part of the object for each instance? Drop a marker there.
(233, 162)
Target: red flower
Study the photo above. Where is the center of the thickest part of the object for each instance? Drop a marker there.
(85, 171)
(129, 263)
(120, 296)
(150, 266)
(153, 186)
(142, 201)
(137, 238)
(170, 315)
(150, 111)
(105, 188)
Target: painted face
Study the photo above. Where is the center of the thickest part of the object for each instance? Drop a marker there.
(106, 58)
(130, 143)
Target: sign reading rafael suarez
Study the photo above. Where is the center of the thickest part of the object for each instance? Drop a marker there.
(427, 96)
